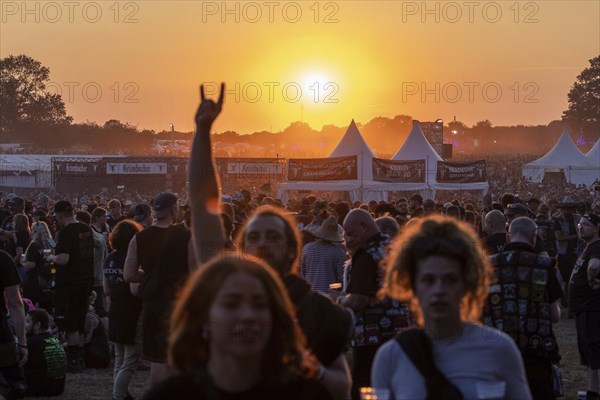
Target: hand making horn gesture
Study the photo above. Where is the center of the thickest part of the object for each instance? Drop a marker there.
(208, 110)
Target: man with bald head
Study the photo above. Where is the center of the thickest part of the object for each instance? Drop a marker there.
(524, 303)
(494, 227)
(376, 320)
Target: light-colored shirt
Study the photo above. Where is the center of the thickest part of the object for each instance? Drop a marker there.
(100, 254)
(322, 263)
(479, 358)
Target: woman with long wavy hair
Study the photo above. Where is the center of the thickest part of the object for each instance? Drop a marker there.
(233, 336)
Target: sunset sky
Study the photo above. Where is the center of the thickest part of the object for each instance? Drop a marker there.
(506, 61)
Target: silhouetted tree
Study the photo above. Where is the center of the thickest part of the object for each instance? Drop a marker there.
(584, 101)
(25, 100)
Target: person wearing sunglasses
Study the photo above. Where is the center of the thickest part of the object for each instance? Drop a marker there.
(584, 301)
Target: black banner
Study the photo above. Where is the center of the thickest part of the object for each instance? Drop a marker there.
(398, 171)
(322, 169)
(456, 172)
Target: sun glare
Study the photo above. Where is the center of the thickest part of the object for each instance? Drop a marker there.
(317, 86)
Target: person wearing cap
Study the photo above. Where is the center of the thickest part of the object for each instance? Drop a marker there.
(74, 279)
(142, 214)
(165, 249)
(584, 301)
(565, 232)
(322, 261)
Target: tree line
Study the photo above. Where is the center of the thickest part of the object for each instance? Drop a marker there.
(32, 115)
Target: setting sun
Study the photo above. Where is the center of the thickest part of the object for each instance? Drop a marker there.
(318, 87)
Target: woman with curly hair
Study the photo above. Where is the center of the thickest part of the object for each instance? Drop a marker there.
(233, 336)
(439, 266)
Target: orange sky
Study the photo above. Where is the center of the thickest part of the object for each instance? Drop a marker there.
(506, 61)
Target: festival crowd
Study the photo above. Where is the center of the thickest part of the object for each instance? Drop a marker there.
(240, 296)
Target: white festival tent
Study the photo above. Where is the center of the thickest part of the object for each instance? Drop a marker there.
(594, 154)
(564, 158)
(351, 144)
(416, 147)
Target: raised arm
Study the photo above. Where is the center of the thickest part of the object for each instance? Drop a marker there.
(207, 228)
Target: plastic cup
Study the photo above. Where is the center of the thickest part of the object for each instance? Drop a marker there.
(369, 393)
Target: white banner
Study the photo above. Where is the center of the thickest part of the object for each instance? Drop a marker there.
(238, 168)
(136, 168)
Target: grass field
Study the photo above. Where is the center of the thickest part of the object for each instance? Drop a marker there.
(97, 384)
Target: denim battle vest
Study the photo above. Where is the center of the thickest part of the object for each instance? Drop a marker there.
(518, 302)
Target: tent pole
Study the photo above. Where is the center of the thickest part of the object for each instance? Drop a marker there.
(362, 196)
(427, 174)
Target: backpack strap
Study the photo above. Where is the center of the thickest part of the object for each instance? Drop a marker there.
(417, 346)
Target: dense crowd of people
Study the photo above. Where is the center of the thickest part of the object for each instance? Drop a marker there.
(241, 296)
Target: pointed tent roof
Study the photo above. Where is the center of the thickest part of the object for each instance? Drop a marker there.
(563, 154)
(594, 153)
(416, 147)
(352, 143)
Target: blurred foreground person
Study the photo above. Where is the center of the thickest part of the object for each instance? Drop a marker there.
(233, 336)
(441, 269)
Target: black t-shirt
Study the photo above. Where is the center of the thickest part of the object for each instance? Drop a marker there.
(494, 243)
(571, 244)
(581, 296)
(363, 275)
(23, 240)
(121, 298)
(46, 364)
(327, 326)
(9, 245)
(186, 387)
(76, 240)
(125, 308)
(9, 276)
(113, 222)
(167, 248)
